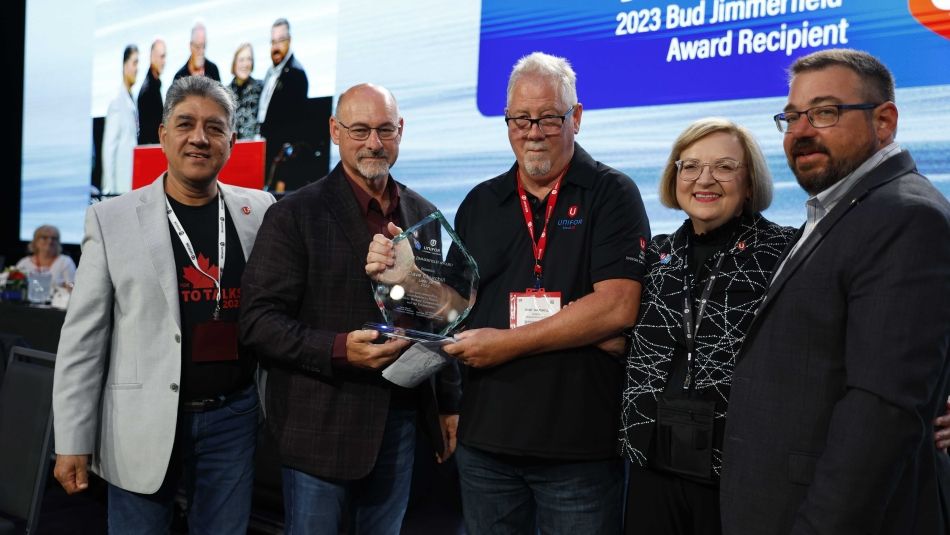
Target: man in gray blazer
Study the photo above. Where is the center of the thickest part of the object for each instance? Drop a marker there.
(846, 364)
(149, 380)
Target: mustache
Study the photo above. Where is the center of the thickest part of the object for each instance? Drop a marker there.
(807, 145)
(370, 153)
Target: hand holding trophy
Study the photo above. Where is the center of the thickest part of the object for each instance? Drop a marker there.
(424, 280)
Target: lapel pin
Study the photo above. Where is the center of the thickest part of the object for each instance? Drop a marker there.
(246, 210)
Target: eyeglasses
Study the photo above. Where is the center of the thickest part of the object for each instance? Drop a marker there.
(819, 116)
(723, 169)
(548, 124)
(361, 133)
(280, 40)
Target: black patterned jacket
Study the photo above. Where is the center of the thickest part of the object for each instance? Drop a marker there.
(247, 97)
(658, 335)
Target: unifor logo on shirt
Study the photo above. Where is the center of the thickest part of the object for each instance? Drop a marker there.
(571, 222)
(197, 287)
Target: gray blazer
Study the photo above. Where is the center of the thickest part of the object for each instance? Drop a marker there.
(115, 388)
(843, 371)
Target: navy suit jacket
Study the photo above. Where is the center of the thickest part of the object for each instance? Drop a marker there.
(843, 371)
(286, 120)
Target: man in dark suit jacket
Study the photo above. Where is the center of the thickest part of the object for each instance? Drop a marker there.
(345, 435)
(198, 64)
(284, 97)
(846, 364)
(150, 96)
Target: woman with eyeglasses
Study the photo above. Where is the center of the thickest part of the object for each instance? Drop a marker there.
(703, 285)
(247, 92)
(46, 255)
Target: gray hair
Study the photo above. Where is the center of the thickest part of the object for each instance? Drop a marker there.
(199, 26)
(31, 247)
(878, 80)
(282, 22)
(760, 179)
(199, 86)
(553, 68)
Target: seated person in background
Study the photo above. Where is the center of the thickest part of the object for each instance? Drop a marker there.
(47, 256)
(247, 92)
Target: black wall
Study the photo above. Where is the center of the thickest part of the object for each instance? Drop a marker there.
(14, 15)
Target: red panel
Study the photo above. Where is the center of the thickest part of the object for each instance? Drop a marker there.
(244, 168)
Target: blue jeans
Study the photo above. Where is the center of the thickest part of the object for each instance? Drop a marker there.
(214, 450)
(503, 494)
(376, 503)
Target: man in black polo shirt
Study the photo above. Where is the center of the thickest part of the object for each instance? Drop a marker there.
(198, 64)
(149, 381)
(540, 409)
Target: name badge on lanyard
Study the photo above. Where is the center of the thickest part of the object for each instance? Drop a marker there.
(213, 340)
(535, 304)
(532, 305)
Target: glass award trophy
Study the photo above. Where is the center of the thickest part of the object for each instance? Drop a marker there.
(428, 291)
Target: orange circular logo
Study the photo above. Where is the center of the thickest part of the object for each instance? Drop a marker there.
(933, 14)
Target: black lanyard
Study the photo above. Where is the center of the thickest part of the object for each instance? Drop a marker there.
(691, 325)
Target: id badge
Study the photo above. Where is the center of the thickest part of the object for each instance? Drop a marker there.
(532, 305)
(214, 341)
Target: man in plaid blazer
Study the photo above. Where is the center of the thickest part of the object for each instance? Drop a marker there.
(346, 436)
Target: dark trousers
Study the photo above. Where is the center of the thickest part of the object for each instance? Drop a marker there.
(508, 495)
(214, 452)
(376, 503)
(659, 503)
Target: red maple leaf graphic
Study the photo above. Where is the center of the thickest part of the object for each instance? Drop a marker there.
(196, 278)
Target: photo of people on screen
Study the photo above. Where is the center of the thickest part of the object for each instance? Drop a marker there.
(273, 110)
(283, 100)
(247, 92)
(121, 130)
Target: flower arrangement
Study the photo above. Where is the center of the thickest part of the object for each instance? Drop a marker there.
(13, 284)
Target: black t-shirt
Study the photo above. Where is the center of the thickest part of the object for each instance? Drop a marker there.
(561, 404)
(196, 299)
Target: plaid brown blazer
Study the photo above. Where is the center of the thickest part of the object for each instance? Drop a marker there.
(304, 283)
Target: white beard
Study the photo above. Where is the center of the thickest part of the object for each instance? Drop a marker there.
(373, 170)
(538, 167)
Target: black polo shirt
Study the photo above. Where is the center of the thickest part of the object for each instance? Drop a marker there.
(561, 404)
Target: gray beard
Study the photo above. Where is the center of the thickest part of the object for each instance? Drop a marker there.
(373, 171)
(538, 168)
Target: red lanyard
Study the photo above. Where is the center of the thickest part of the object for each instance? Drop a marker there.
(539, 247)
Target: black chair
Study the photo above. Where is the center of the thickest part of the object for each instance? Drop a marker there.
(7, 342)
(26, 438)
